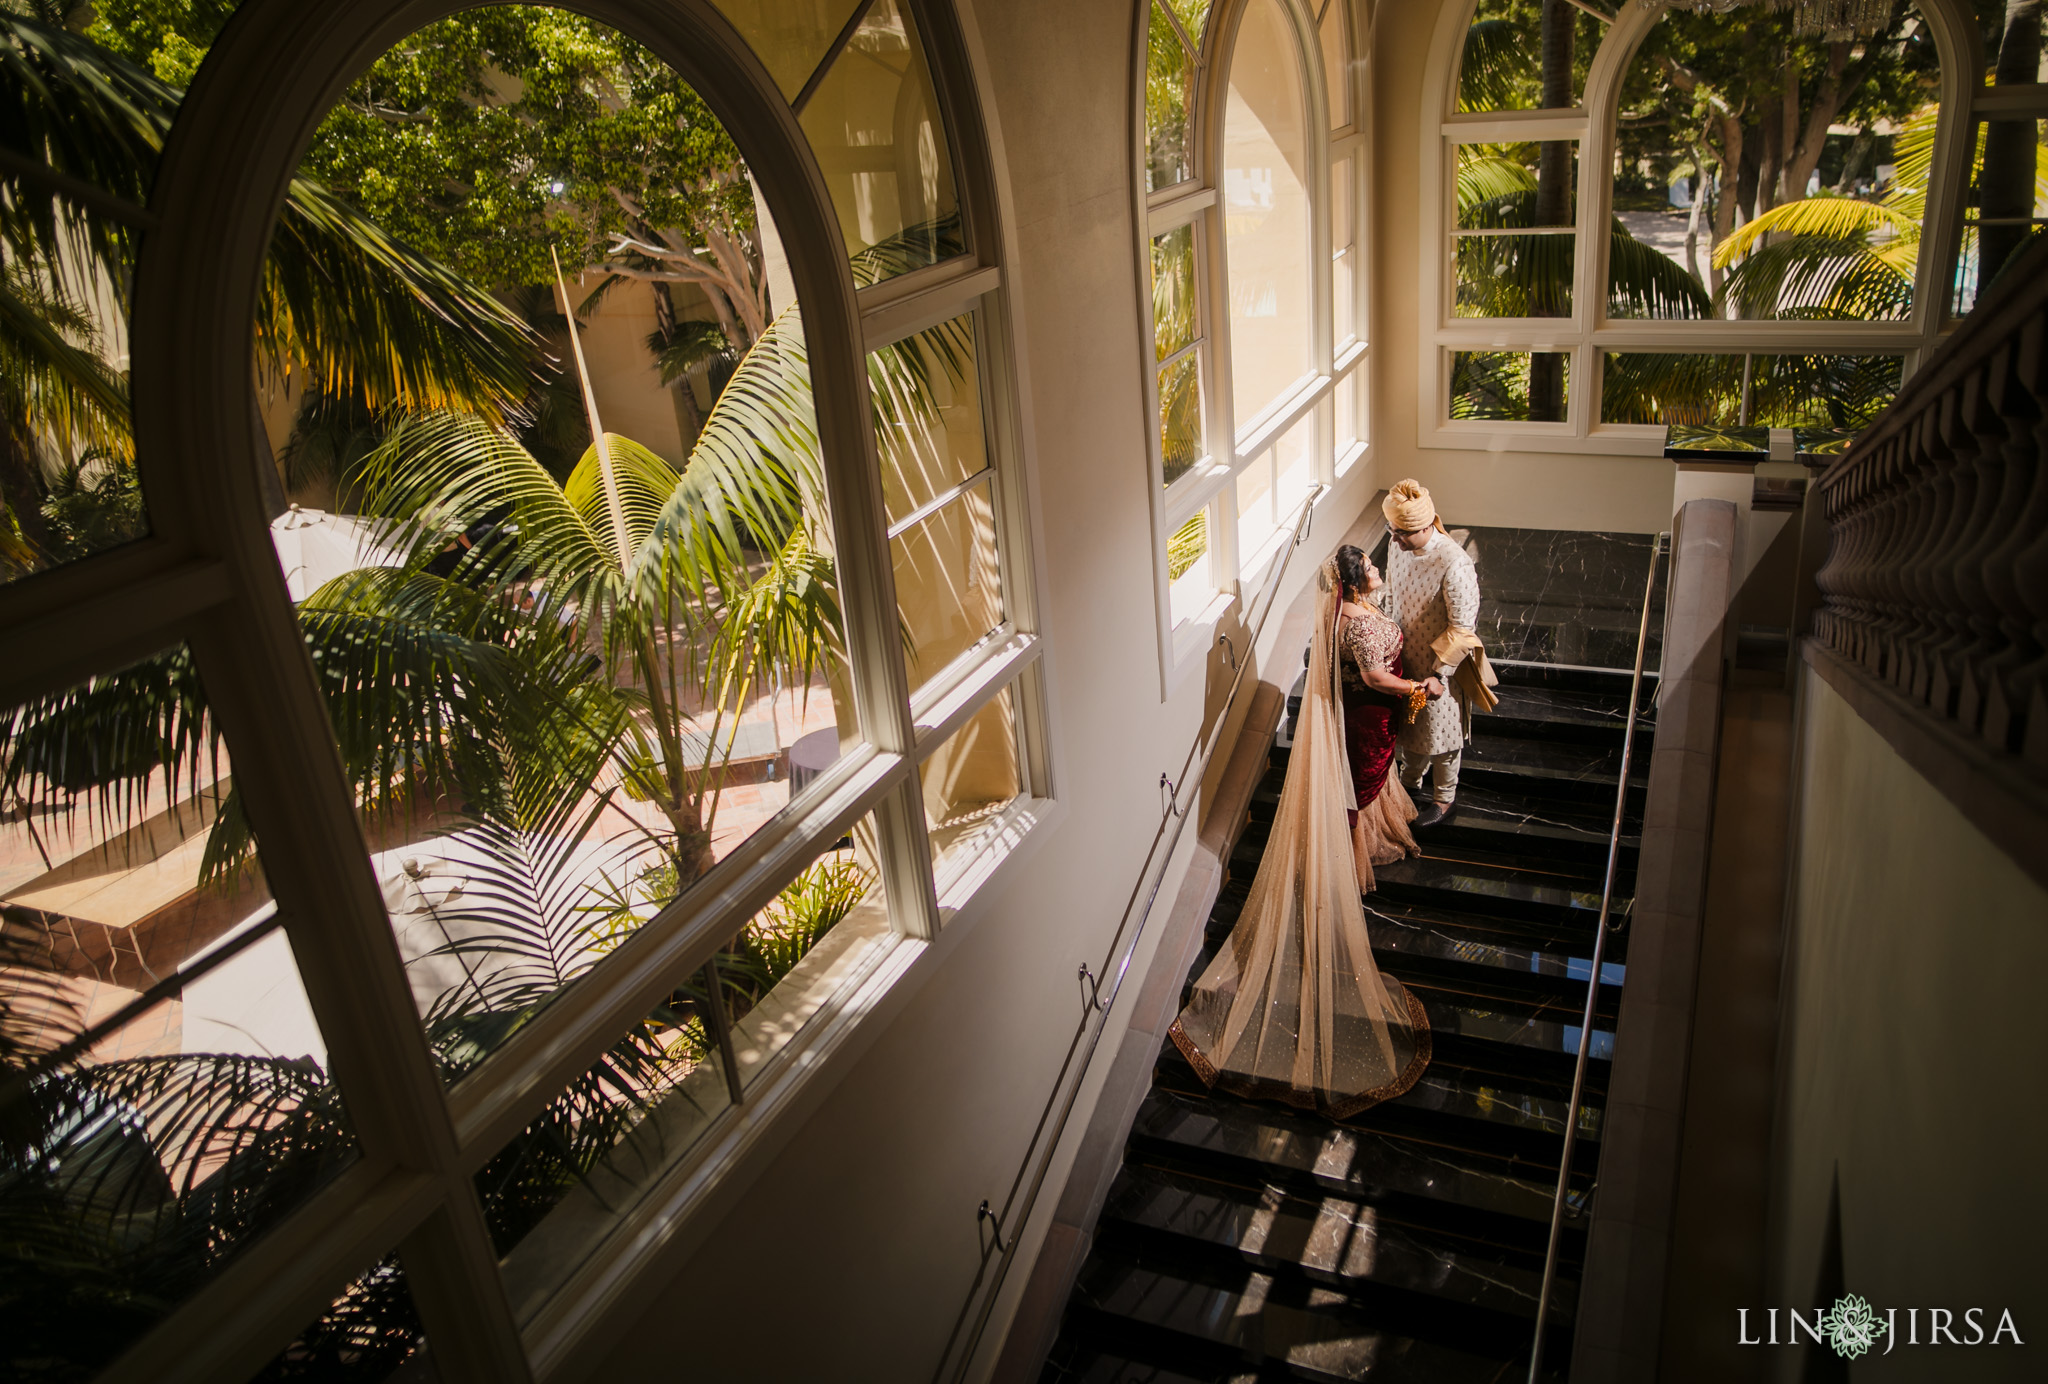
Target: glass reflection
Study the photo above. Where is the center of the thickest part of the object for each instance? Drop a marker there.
(1181, 442)
(1266, 212)
(967, 783)
(1336, 44)
(1189, 568)
(875, 127)
(368, 1333)
(1169, 79)
(948, 582)
(790, 37)
(927, 400)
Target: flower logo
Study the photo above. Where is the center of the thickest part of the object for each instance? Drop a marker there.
(1852, 1326)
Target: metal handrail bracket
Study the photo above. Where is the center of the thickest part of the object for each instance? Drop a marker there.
(1571, 1124)
(1122, 951)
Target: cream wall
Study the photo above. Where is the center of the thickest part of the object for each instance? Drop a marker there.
(1911, 1057)
(1548, 490)
(862, 1228)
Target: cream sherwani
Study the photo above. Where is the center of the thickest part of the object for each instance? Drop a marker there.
(1429, 593)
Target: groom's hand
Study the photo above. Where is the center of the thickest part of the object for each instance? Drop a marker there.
(1433, 688)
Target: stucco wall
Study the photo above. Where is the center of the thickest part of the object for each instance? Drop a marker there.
(1911, 1059)
(1544, 490)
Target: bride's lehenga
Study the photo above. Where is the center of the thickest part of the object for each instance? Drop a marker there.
(1379, 822)
(1293, 1008)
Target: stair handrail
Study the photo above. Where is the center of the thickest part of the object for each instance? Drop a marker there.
(1173, 820)
(1571, 1120)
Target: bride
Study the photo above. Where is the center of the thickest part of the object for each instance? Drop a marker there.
(1293, 1008)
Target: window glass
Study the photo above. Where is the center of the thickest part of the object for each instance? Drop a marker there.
(790, 37)
(1189, 574)
(1526, 55)
(967, 782)
(1180, 415)
(948, 582)
(1843, 393)
(1336, 41)
(1169, 90)
(556, 1190)
(368, 1333)
(926, 394)
(1294, 470)
(1266, 212)
(2007, 204)
(1254, 506)
(1720, 212)
(1515, 208)
(629, 667)
(1350, 414)
(1175, 320)
(875, 127)
(163, 1084)
(1510, 386)
(1344, 257)
(1176, 336)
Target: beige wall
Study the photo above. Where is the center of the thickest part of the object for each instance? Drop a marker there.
(1549, 490)
(1912, 1056)
(862, 1227)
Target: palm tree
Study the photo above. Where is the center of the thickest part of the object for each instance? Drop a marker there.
(349, 309)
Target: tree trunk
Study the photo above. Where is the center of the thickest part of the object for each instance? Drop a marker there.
(1698, 202)
(1554, 177)
(1857, 161)
(689, 418)
(1748, 169)
(2006, 185)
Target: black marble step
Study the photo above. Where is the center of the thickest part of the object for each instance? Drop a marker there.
(1431, 1248)
(1310, 1332)
(1550, 886)
(1543, 713)
(1453, 937)
(1561, 678)
(1231, 1139)
(1451, 1107)
(1074, 1364)
(1496, 814)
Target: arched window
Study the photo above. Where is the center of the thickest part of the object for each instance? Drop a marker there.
(658, 674)
(1651, 215)
(1251, 180)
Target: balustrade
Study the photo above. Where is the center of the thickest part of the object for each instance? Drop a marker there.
(1936, 578)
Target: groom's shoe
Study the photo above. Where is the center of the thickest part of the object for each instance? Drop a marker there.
(1430, 816)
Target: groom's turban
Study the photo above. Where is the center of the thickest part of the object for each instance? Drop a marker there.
(1408, 507)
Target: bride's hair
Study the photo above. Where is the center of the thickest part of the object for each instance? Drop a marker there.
(1351, 569)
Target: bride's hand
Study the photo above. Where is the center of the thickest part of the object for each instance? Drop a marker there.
(1433, 688)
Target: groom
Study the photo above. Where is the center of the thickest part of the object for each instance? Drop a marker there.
(1433, 593)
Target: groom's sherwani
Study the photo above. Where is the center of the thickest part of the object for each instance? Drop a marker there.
(1431, 593)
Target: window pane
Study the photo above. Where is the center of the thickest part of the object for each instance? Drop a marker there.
(1175, 319)
(1180, 416)
(168, 1094)
(1517, 186)
(948, 583)
(1169, 79)
(1188, 568)
(1512, 386)
(1254, 506)
(1266, 212)
(1513, 61)
(590, 743)
(1340, 202)
(1337, 63)
(927, 400)
(1784, 391)
(1349, 433)
(1514, 275)
(874, 125)
(553, 1192)
(1830, 229)
(1294, 469)
(790, 37)
(1343, 299)
(2007, 206)
(967, 782)
(367, 1334)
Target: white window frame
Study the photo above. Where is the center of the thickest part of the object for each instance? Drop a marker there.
(208, 576)
(1588, 333)
(1211, 485)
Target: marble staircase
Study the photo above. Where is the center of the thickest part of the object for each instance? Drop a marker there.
(1247, 1241)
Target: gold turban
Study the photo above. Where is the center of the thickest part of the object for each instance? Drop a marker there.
(1408, 507)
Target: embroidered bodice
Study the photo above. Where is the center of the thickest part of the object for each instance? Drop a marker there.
(1371, 641)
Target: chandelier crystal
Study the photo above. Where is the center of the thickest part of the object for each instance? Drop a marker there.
(1833, 19)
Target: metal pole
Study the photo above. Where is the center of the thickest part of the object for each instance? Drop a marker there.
(1571, 1124)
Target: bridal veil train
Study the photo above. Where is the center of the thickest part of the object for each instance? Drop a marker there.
(1293, 1008)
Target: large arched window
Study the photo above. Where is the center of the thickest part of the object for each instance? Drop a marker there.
(1644, 215)
(1251, 185)
(415, 905)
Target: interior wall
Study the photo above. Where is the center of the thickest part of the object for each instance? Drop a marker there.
(1543, 490)
(862, 1225)
(1911, 1060)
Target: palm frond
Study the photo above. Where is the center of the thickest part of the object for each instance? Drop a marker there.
(1642, 281)
(1821, 217)
(1495, 67)
(1815, 277)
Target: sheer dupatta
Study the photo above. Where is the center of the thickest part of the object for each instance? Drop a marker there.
(1292, 1008)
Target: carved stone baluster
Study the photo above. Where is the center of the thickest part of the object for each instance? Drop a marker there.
(1963, 430)
(2001, 608)
(2018, 589)
(1974, 542)
(1924, 498)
